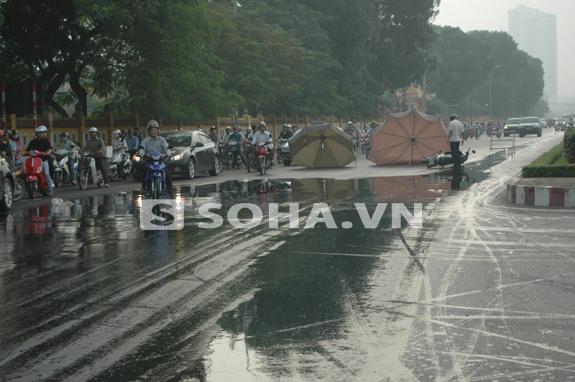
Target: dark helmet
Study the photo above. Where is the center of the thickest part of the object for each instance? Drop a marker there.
(14, 132)
(453, 116)
(130, 131)
(6, 132)
(153, 124)
(213, 128)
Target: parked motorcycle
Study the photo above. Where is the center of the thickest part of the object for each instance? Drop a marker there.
(87, 172)
(156, 175)
(251, 157)
(35, 179)
(264, 158)
(443, 159)
(120, 159)
(62, 169)
(284, 153)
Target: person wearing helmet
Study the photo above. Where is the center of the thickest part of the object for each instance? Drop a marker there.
(96, 146)
(41, 143)
(17, 145)
(132, 141)
(263, 135)
(6, 145)
(372, 126)
(349, 129)
(237, 136)
(286, 133)
(214, 135)
(227, 135)
(455, 139)
(68, 145)
(119, 146)
(155, 143)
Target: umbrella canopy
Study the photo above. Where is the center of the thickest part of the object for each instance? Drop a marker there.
(321, 146)
(407, 137)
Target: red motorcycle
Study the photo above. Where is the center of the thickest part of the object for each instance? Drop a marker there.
(364, 139)
(263, 157)
(34, 174)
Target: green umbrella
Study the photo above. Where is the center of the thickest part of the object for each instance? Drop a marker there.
(321, 146)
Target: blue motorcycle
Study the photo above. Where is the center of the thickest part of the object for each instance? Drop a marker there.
(156, 175)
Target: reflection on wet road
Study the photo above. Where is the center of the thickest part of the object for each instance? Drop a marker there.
(87, 295)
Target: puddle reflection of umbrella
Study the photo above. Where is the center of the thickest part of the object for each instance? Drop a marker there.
(321, 146)
(397, 189)
(407, 137)
(324, 189)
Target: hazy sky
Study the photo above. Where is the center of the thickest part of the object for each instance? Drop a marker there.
(492, 15)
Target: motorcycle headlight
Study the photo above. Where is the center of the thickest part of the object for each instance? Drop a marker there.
(136, 158)
(178, 157)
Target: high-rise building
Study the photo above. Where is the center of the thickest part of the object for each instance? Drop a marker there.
(536, 33)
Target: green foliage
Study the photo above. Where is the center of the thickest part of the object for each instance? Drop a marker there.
(464, 62)
(543, 167)
(569, 143)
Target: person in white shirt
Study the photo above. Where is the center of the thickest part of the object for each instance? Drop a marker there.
(227, 135)
(263, 135)
(455, 139)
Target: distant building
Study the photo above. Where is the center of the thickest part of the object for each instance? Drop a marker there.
(536, 33)
(412, 98)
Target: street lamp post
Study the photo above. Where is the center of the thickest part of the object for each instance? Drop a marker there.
(498, 66)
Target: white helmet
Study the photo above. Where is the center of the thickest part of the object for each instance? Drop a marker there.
(93, 130)
(116, 133)
(349, 123)
(228, 128)
(263, 124)
(41, 129)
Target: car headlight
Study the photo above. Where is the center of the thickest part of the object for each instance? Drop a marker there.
(178, 157)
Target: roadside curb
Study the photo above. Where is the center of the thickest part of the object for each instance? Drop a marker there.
(541, 196)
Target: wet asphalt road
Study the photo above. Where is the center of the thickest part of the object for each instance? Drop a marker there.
(482, 292)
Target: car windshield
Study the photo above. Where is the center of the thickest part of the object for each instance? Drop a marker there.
(179, 140)
(529, 120)
(560, 120)
(513, 121)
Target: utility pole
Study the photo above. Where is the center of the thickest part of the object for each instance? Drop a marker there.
(498, 66)
(424, 93)
(235, 7)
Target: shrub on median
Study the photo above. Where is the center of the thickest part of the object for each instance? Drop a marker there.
(569, 142)
(542, 166)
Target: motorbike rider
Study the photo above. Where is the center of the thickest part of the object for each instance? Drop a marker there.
(96, 146)
(68, 145)
(132, 141)
(263, 135)
(41, 143)
(17, 145)
(6, 145)
(237, 136)
(155, 143)
(350, 129)
(226, 135)
(372, 126)
(119, 146)
(214, 135)
(286, 133)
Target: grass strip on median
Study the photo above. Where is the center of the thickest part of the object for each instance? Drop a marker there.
(547, 165)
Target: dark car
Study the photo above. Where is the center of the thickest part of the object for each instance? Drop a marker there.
(511, 126)
(6, 183)
(529, 125)
(192, 152)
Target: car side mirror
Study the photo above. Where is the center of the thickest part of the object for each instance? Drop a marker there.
(199, 144)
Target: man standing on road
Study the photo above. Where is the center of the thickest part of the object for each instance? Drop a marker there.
(454, 139)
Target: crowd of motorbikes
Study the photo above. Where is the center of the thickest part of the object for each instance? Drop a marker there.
(475, 131)
(30, 178)
(258, 156)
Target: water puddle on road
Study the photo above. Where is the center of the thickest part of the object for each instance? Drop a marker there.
(196, 304)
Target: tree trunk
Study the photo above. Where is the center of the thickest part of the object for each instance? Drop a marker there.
(77, 88)
(59, 109)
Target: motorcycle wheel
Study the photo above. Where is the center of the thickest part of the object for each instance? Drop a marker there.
(32, 189)
(279, 158)
(363, 149)
(100, 183)
(229, 162)
(157, 191)
(262, 165)
(83, 178)
(113, 174)
(287, 162)
(7, 196)
(19, 190)
(58, 179)
(250, 160)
